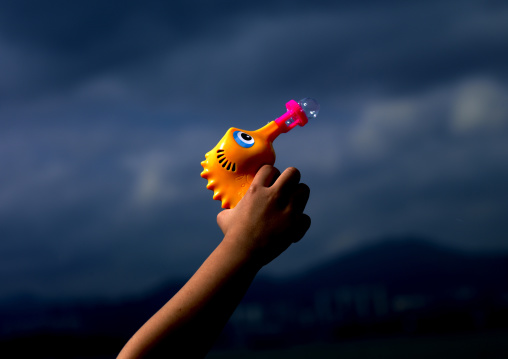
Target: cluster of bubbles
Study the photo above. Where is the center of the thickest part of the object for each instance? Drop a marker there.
(310, 107)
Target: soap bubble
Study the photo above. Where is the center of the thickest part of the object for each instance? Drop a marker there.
(310, 107)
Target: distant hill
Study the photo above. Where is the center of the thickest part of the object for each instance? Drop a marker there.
(409, 264)
(401, 265)
(380, 286)
(398, 286)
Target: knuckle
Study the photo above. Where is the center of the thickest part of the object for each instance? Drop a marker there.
(253, 188)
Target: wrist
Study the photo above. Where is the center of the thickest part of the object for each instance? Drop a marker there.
(241, 253)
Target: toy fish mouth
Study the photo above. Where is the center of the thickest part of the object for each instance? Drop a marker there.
(225, 163)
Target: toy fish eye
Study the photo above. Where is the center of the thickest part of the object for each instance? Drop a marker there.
(243, 139)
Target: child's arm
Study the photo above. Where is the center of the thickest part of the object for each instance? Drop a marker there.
(263, 224)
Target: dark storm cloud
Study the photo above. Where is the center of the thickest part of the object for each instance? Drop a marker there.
(176, 49)
(107, 109)
(77, 203)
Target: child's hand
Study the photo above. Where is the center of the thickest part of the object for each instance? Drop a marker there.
(269, 217)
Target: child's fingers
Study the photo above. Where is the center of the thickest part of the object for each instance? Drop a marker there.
(275, 177)
(299, 198)
(301, 228)
(286, 184)
(266, 176)
(290, 176)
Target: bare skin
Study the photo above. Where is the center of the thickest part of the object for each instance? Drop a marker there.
(263, 225)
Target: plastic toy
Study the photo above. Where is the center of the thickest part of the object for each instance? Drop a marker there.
(232, 164)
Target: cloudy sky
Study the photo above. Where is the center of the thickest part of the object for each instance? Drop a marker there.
(107, 110)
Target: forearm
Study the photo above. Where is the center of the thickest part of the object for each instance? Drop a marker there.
(195, 316)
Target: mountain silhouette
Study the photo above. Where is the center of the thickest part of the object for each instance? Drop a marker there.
(379, 286)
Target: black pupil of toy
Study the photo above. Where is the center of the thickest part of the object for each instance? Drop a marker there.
(246, 137)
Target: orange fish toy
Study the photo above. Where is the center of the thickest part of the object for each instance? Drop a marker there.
(232, 164)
